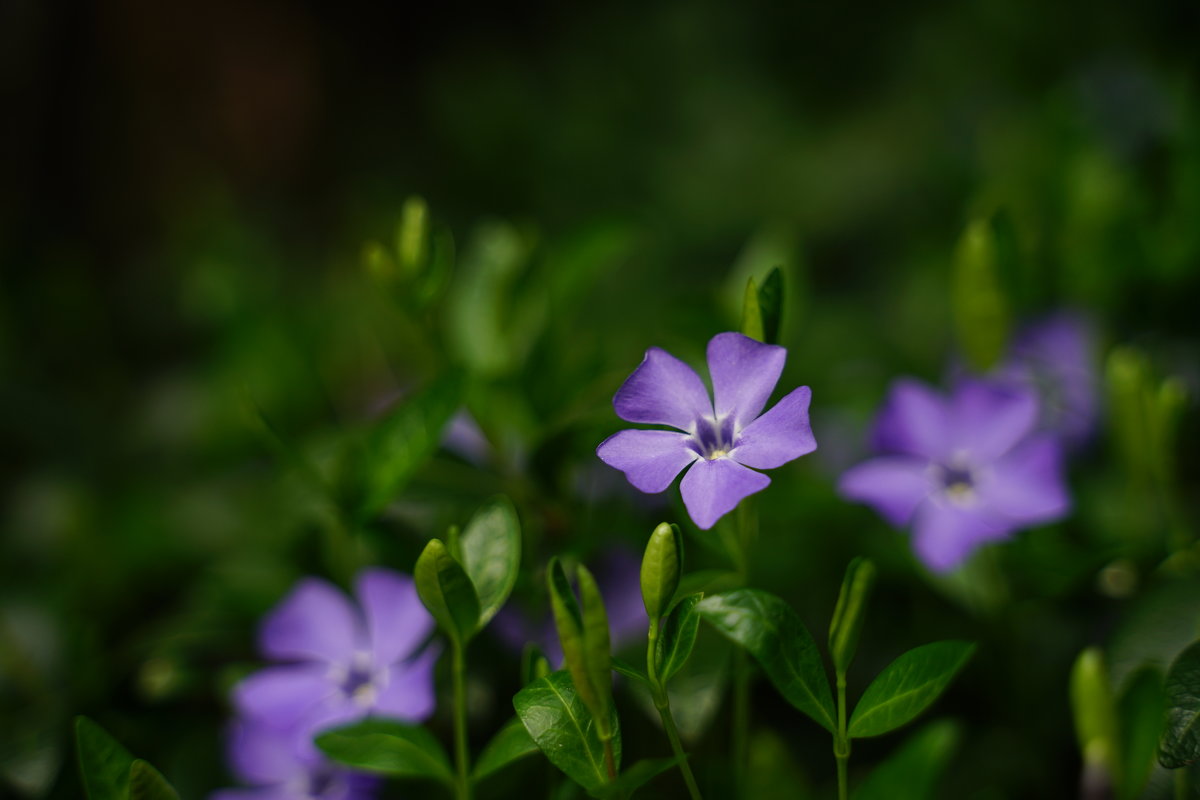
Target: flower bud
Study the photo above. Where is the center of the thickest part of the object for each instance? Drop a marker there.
(661, 566)
(850, 612)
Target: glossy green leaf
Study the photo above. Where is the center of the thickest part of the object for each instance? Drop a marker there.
(388, 747)
(623, 667)
(1140, 717)
(911, 773)
(907, 686)
(510, 744)
(103, 763)
(404, 440)
(1094, 710)
(1180, 742)
(634, 778)
(708, 581)
(766, 627)
(850, 612)
(752, 321)
(563, 729)
(661, 567)
(147, 783)
(446, 591)
(770, 303)
(491, 555)
(597, 648)
(678, 636)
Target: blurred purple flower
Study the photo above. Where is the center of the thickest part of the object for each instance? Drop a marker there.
(720, 440)
(275, 766)
(963, 470)
(345, 662)
(618, 574)
(1056, 355)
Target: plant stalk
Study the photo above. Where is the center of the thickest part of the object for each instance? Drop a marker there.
(662, 702)
(841, 742)
(462, 781)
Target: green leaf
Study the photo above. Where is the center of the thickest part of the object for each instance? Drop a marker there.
(911, 772)
(752, 320)
(1095, 711)
(446, 591)
(1140, 715)
(404, 440)
(637, 776)
(770, 303)
(534, 664)
(581, 656)
(907, 686)
(597, 648)
(630, 671)
(103, 763)
(708, 581)
(661, 565)
(1180, 743)
(564, 730)
(678, 636)
(510, 744)
(147, 783)
(491, 555)
(388, 747)
(850, 613)
(766, 627)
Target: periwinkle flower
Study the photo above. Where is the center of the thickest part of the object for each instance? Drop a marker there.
(344, 662)
(275, 766)
(963, 470)
(721, 440)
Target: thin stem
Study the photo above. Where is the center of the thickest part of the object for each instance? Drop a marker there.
(662, 701)
(463, 788)
(610, 762)
(841, 742)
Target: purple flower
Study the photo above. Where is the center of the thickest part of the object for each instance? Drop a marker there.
(345, 662)
(276, 767)
(1056, 355)
(963, 470)
(721, 438)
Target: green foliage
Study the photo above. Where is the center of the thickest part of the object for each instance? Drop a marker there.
(534, 664)
(662, 564)
(147, 783)
(907, 686)
(1095, 711)
(565, 731)
(762, 307)
(770, 631)
(585, 640)
(490, 552)
(510, 744)
(1140, 710)
(447, 592)
(981, 311)
(911, 773)
(637, 776)
(850, 612)
(109, 772)
(388, 747)
(678, 636)
(1180, 743)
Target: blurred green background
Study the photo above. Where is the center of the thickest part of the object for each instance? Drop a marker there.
(186, 193)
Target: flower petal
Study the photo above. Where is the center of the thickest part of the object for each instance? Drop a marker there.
(744, 372)
(397, 622)
(409, 693)
(944, 534)
(1026, 485)
(663, 391)
(649, 459)
(314, 622)
(914, 421)
(259, 753)
(990, 418)
(282, 696)
(275, 792)
(892, 485)
(711, 489)
(778, 436)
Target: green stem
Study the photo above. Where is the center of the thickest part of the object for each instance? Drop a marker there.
(841, 742)
(662, 701)
(747, 523)
(463, 784)
(1181, 784)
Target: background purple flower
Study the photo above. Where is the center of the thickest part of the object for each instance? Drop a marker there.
(962, 470)
(618, 574)
(275, 767)
(716, 440)
(345, 662)
(1056, 355)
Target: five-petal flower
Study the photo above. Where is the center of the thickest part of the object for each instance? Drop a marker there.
(719, 441)
(963, 470)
